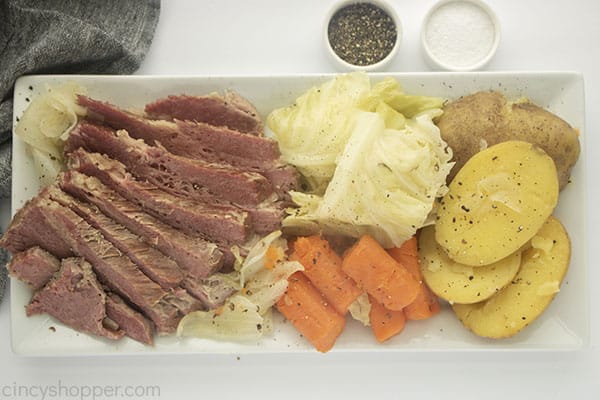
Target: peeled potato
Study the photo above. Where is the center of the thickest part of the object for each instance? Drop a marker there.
(459, 283)
(543, 267)
(496, 203)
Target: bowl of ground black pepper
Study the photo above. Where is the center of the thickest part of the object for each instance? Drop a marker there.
(362, 34)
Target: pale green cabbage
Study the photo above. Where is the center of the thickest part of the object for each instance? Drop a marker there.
(45, 125)
(360, 309)
(387, 176)
(237, 320)
(313, 131)
(247, 314)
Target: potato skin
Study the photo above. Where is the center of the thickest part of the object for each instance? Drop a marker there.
(542, 270)
(458, 283)
(482, 119)
(496, 203)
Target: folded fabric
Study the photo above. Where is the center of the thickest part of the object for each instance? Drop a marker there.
(66, 37)
(3, 272)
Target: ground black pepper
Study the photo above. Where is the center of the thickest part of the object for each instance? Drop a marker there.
(362, 33)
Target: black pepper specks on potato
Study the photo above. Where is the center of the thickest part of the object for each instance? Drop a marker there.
(507, 192)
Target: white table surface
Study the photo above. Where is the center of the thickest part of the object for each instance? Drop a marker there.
(273, 37)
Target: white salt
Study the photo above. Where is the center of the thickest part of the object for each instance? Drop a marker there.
(460, 34)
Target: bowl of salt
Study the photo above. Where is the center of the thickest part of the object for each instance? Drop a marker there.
(460, 35)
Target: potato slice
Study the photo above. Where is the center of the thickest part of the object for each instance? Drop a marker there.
(459, 283)
(543, 267)
(496, 203)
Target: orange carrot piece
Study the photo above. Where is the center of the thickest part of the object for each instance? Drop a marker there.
(310, 313)
(426, 303)
(408, 256)
(385, 323)
(425, 306)
(380, 275)
(323, 267)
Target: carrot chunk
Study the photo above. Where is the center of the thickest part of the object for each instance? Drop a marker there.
(426, 303)
(380, 275)
(309, 311)
(385, 323)
(323, 267)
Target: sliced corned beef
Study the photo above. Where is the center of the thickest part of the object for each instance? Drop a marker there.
(183, 300)
(152, 262)
(34, 266)
(27, 230)
(266, 219)
(179, 175)
(212, 291)
(74, 297)
(217, 144)
(135, 325)
(188, 138)
(179, 212)
(198, 140)
(113, 268)
(197, 257)
(221, 223)
(232, 111)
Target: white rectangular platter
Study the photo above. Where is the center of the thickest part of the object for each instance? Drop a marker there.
(564, 325)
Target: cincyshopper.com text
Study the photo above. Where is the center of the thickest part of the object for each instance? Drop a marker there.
(60, 390)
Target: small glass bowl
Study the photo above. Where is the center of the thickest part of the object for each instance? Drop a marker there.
(343, 65)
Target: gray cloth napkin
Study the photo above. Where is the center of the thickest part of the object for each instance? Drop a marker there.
(3, 272)
(64, 37)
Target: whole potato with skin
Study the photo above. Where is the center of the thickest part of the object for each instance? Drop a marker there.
(471, 123)
(543, 267)
(496, 203)
(458, 283)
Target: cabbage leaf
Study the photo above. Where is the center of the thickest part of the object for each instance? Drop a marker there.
(385, 183)
(314, 130)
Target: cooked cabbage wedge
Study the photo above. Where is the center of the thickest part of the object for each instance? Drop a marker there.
(247, 314)
(385, 183)
(391, 93)
(360, 309)
(238, 319)
(45, 125)
(373, 159)
(313, 131)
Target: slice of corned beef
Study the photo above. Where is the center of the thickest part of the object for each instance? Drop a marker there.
(212, 291)
(220, 223)
(266, 219)
(197, 257)
(184, 301)
(232, 111)
(74, 297)
(176, 174)
(152, 262)
(135, 325)
(113, 268)
(27, 229)
(198, 140)
(216, 144)
(34, 266)
(200, 136)
(181, 213)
